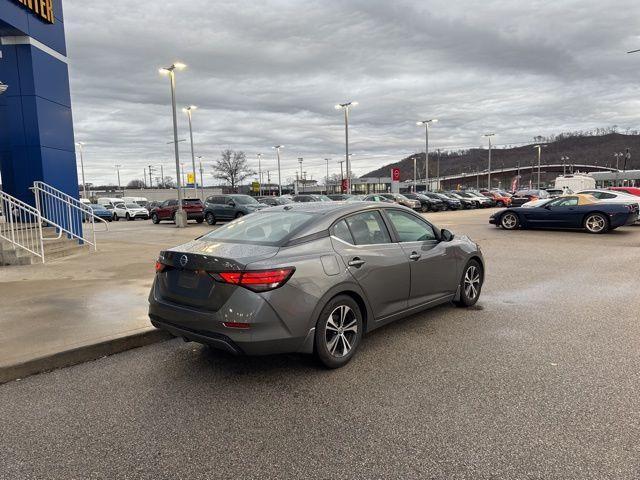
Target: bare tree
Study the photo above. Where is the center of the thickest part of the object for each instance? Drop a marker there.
(232, 168)
(136, 184)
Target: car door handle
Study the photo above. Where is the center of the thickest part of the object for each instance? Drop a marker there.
(356, 262)
(415, 256)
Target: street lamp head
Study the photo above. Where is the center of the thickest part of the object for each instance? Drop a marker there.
(277, 147)
(427, 122)
(489, 135)
(341, 106)
(175, 66)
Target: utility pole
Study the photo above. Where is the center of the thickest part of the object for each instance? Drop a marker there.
(201, 178)
(84, 184)
(427, 124)
(150, 176)
(341, 176)
(162, 176)
(278, 147)
(269, 181)
(145, 177)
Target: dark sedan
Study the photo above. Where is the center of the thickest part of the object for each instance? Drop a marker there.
(572, 211)
(311, 278)
(523, 196)
(427, 203)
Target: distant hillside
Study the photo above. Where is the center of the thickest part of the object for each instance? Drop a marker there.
(584, 148)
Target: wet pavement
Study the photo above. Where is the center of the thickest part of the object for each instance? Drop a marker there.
(539, 381)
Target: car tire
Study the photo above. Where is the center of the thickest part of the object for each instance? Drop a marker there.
(335, 346)
(500, 204)
(596, 223)
(155, 219)
(199, 220)
(424, 209)
(470, 284)
(239, 215)
(116, 218)
(210, 218)
(509, 221)
(128, 217)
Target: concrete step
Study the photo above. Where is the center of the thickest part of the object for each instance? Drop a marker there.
(17, 256)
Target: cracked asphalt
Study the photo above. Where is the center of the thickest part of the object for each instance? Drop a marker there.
(539, 381)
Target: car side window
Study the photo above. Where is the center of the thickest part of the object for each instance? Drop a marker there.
(606, 196)
(565, 202)
(368, 228)
(172, 203)
(410, 228)
(341, 231)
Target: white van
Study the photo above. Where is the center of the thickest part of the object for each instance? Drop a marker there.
(143, 202)
(575, 182)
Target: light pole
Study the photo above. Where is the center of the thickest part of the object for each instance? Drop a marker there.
(539, 148)
(415, 174)
(278, 147)
(259, 155)
(189, 111)
(341, 162)
(300, 160)
(426, 124)
(347, 107)
(84, 184)
(180, 215)
(118, 172)
(326, 181)
(489, 135)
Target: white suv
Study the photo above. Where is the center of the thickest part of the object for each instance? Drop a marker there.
(130, 211)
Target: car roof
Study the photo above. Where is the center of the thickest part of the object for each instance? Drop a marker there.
(326, 213)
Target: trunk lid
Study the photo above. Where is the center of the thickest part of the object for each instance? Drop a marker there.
(186, 279)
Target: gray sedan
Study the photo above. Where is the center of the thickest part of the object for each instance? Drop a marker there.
(311, 278)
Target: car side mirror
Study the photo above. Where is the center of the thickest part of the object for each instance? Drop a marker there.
(548, 207)
(231, 204)
(446, 235)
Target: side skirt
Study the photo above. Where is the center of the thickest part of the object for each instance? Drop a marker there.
(410, 311)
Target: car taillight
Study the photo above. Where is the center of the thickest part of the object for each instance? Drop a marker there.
(256, 280)
(160, 266)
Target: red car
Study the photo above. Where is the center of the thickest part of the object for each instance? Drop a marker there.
(501, 200)
(632, 190)
(167, 210)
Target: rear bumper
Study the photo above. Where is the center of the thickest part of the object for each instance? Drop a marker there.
(267, 334)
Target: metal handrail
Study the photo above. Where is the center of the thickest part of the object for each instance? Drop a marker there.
(65, 213)
(22, 225)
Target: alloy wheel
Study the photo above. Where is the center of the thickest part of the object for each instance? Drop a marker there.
(509, 221)
(595, 223)
(471, 282)
(341, 331)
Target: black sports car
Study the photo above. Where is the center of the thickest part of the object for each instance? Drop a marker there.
(572, 211)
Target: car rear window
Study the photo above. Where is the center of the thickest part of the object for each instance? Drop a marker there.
(191, 201)
(265, 228)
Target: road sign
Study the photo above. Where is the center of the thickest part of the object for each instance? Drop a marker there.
(395, 174)
(255, 187)
(191, 178)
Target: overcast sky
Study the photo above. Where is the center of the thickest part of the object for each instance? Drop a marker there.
(270, 72)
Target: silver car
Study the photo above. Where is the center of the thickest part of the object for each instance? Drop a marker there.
(311, 278)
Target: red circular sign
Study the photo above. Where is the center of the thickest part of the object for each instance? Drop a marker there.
(395, 174)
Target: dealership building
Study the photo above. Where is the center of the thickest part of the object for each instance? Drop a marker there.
(36, 124)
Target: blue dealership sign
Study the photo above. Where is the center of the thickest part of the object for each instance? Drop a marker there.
(36, 125)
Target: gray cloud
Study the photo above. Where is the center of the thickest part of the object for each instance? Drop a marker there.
(266, 73)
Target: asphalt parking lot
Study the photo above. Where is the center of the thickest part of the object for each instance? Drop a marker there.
(539, 380)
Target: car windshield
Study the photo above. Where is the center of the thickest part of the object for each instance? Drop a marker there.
(244, 199)
(261, 228)
(323, 198)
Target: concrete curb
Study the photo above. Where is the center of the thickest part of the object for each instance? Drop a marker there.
(81, 354)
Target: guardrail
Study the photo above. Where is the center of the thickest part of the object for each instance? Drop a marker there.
(21, 225)
(66, 213)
